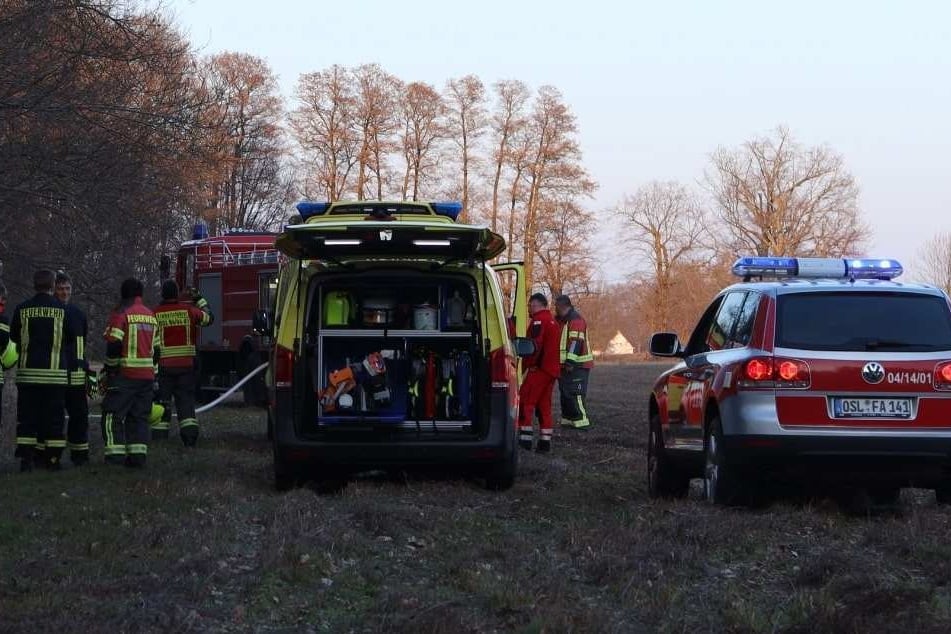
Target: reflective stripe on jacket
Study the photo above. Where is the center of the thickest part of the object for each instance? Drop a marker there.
(178, 325)
(574, 341)
(130, 341)
(41, 329)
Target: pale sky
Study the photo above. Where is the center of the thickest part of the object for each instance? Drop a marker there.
(657, 86)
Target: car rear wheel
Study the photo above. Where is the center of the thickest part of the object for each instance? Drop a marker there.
(664, 478)
(722, 483)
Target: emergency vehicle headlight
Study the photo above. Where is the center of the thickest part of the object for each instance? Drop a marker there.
(448, 209)
(308, 208)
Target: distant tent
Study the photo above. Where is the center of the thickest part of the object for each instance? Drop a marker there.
(618, 345)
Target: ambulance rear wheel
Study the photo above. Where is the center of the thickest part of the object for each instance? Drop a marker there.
(501, 476)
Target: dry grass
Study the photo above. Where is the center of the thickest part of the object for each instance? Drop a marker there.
(200, 542)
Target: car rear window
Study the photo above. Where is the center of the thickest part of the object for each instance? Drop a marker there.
(850, 321)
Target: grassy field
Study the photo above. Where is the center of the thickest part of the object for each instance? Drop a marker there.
(199, 541)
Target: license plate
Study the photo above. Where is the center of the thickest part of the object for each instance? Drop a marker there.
(850, 407)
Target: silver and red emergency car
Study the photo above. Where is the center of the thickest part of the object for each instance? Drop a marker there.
(830, 371)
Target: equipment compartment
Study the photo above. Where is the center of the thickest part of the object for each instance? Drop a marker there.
(396, 353)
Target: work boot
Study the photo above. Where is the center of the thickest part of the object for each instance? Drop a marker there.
(53, 463)
(135, 461)
(26, 465)
(544, 446)
(159, 434)
(117, 460)
(79, 458)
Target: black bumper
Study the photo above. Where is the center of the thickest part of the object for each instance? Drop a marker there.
(914, 460)
(338, 450)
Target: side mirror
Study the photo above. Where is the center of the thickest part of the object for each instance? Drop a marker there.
(524, 347)
(665, 344)
(262, 324)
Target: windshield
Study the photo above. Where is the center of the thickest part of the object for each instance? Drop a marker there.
(854, 321)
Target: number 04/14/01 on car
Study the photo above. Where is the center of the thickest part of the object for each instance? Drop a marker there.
(808, 367)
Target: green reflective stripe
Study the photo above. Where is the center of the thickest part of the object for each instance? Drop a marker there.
(135, 363)
(78, 446)
(107, 422)
(137, 449)
(161, 426)
(26, 440)
(57, 350)
(24, 340)
(56, 444)
(116, 333)
(9, 357)
(4, 327)
(77, 376)
(133, 350)
(578, 358)
(114, 450)
(188, 422)
(80, 347)
(205, 319)
(42, 375)
(178, 351)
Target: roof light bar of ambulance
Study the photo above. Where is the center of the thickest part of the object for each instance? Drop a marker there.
(432, 243)
(449, 209)
(308, 208)
(342, 242)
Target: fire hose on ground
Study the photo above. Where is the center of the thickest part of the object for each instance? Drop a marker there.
(207, 406)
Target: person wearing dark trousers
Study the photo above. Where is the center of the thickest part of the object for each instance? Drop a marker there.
(576, 364)
(178, 323)
(41, 328)
(8, 350)
(77, 406)
(129, 375)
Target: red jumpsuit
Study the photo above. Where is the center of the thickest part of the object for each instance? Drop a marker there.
(543, 368)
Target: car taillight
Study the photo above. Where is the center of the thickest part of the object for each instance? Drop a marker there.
(775, 372)
(283, 366)
(499, 367)
(942, 376)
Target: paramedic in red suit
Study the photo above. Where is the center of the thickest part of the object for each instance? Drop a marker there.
(542, 369)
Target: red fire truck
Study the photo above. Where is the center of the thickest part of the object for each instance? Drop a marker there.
(237, 274)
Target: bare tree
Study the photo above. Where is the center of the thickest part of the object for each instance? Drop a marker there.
(554, 169)
(248, 188)
(423, 114)
(564, 248)
(507, 121)
(467, 121)
(666, 224)
(775, 197)
(376, 119)
(324, 126)
(934, 261)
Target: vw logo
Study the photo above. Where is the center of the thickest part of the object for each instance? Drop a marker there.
(873, 372)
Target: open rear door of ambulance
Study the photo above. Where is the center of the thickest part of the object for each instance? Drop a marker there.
(512, 279)
(343, 241)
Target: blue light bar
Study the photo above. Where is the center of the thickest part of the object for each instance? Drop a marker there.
(200, 231)
(827, 268)
(449, 209)
(308, 208)
(873, 269)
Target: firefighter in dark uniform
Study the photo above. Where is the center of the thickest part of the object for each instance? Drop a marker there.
(41, 328)
(77, 407)
(129, 375)
(576, 364)
(8, 350)
(178, 324)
